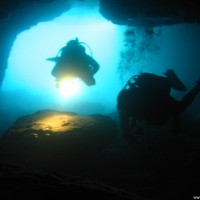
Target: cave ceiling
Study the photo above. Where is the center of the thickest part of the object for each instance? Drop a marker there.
(19, 15)
(150, 12)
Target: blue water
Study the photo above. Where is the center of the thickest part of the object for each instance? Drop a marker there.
(28, 85)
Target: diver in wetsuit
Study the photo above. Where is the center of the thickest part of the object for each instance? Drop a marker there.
(74, 62)
(147, 98)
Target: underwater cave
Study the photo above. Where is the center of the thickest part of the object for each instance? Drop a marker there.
(75, 129)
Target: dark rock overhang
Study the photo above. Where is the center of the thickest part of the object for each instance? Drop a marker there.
(8, 6)
(127, 12)
(19, 15)
(144, 13)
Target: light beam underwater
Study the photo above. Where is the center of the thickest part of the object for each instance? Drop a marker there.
(69, 87)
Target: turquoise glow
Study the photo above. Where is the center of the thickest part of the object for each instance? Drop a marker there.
(28, 83)
(29, 71)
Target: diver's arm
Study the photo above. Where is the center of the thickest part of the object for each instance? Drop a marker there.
(94, 65)
(190, 96)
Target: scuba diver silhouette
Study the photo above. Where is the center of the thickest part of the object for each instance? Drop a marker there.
(146, 98)
(72, 61)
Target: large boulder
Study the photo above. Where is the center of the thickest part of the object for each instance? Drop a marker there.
(58, 141)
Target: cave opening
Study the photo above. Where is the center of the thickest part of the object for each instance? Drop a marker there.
(121, 51)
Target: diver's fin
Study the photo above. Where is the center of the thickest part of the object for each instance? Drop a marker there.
(176, 83)
(54, 59)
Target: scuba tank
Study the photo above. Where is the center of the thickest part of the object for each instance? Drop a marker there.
(70, 63)
(74, 43)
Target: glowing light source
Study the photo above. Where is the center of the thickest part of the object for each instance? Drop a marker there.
(29, 70)
(69, 87)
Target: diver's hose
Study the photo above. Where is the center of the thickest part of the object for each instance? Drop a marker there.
(79, 43)
(87, 47)
(59, 52)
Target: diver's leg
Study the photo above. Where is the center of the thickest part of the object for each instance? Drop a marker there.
(89, 81)
(86, 75)
(190, 96)
(176, 83)
(127, 124)
(124, 120)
